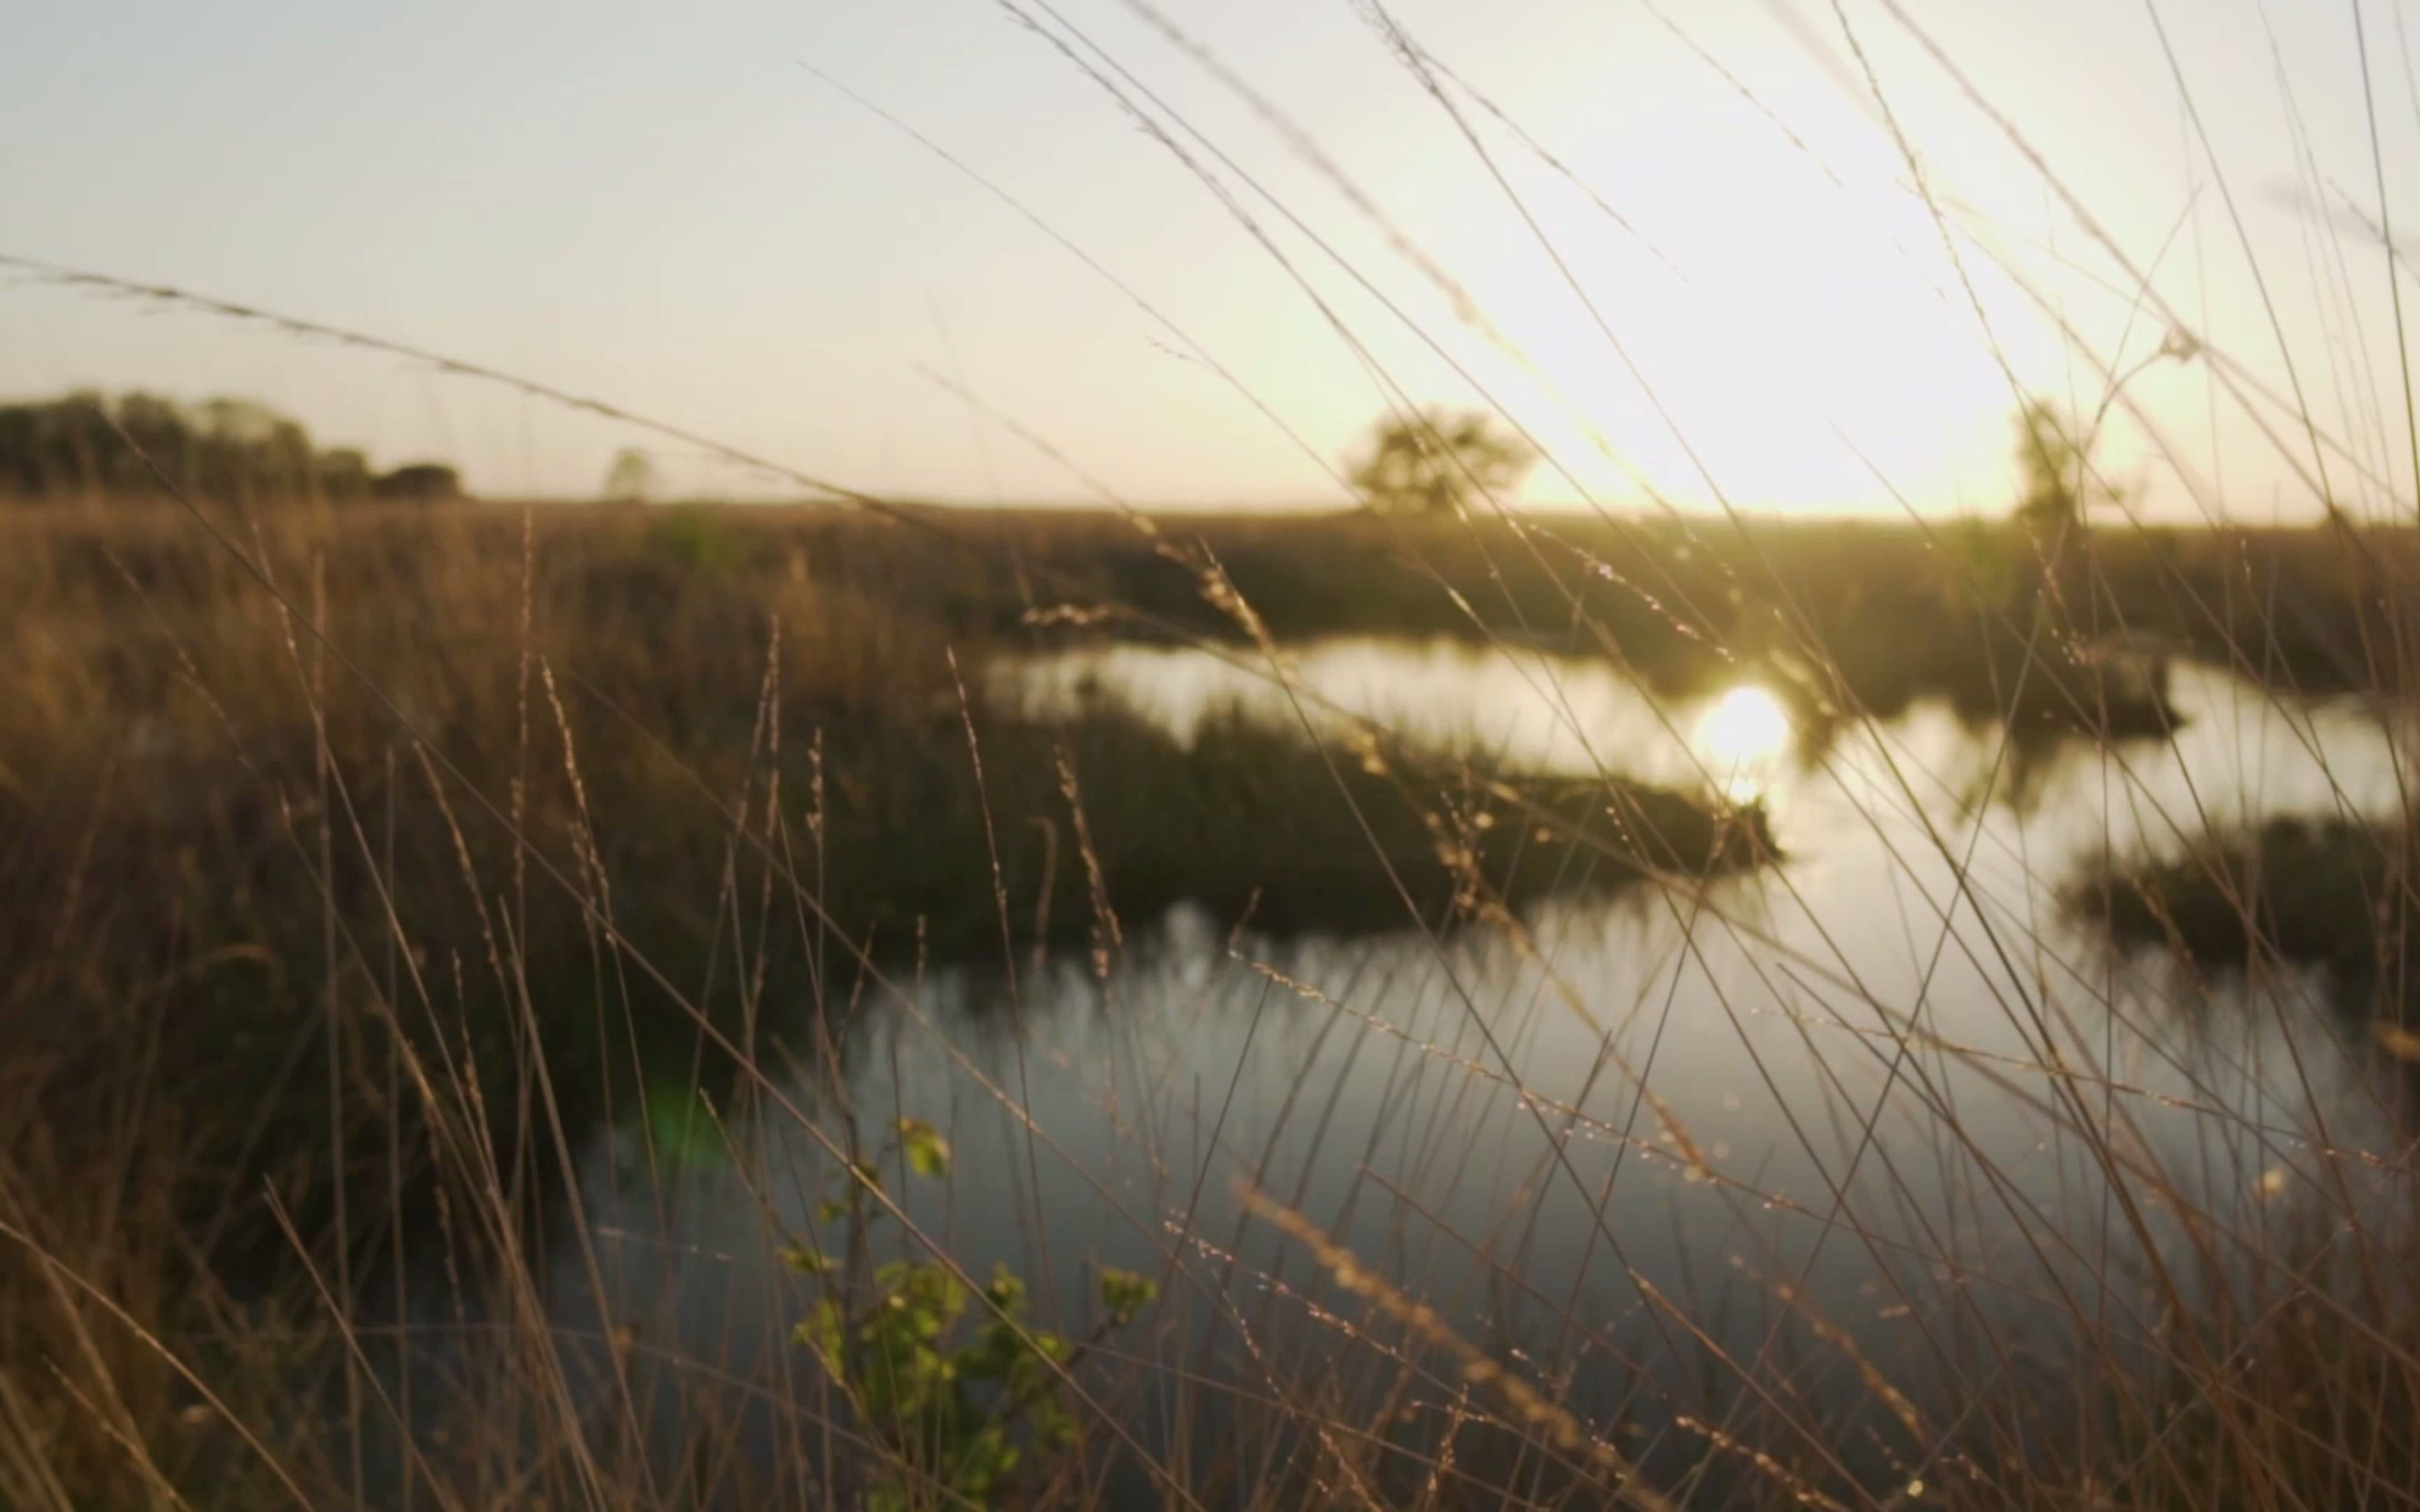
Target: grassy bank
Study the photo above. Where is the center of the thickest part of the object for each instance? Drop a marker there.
(1878, 613)
(1872, 614)
(321, 952)
(625, 692)
(2329, 892)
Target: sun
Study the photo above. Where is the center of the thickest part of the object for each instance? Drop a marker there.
(1793, 341)
(1742, 739)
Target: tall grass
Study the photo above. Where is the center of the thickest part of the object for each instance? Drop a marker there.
(326, 967)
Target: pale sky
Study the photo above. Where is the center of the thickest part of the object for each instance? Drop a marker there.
(665, 208)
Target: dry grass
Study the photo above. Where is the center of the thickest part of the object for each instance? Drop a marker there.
(321, 954)
(320, 969)
(1894, 610)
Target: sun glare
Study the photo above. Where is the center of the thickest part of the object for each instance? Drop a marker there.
(1791, 332)
(1742, 738)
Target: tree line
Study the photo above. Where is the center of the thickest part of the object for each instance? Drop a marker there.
(1440, 461)
(76, 447)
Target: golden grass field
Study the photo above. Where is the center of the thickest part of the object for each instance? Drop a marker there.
(353, 860)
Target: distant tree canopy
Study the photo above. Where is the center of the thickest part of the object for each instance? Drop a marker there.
(2055, 462)
(632, 478)
(424, 483)
(1436, 461)
(2053, 514)
(221, 448)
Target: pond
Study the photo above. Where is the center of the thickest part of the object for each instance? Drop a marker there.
(1846, 1119)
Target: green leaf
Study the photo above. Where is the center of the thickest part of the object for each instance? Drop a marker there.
(1125, 1293)
(830, 1210)
(1007, 1291)
(808, 1260)
(976, 1417)
(1054, 1426)
(928, 1153)
(679, 1125)
(821, 1333)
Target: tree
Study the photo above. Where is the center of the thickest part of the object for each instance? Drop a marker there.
(344, 475)
(68, 446)
(2055, 462)
(88, 444)
(242, 450)
(1433, 462)
(419, 483)
(631, 479)
(2056, 466)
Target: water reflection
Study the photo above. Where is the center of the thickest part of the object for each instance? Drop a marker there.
(1537, 712)
(1882, 1076)
(1743, 738)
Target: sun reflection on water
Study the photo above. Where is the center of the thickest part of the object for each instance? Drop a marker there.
(1742, 738)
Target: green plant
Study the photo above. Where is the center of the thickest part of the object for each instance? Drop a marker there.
(696, 540)
(966, 1405)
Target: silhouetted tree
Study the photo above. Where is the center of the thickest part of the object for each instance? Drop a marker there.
(2055, 464)
(59, 447)
(241, 449)
(2052, 464)
(86, 444)
(421, 482)
(344, 475)
(1433, 462)
(631, 479)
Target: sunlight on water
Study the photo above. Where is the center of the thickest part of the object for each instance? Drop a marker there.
(1448, 1068)
(1742, 738)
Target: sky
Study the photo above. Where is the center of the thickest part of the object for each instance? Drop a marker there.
(1772, 255)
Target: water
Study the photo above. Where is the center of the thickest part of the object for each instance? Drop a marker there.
(1835, 1077)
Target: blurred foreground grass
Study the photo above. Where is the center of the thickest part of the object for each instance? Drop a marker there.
(297, 977)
